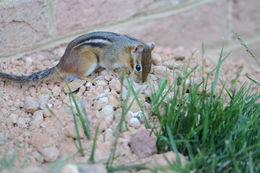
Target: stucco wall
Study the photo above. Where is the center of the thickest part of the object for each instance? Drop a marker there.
(31, 25)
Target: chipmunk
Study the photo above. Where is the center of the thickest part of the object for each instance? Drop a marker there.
(86, 53)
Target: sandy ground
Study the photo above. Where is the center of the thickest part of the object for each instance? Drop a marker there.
(39, 137)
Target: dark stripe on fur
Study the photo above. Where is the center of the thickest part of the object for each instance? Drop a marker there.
(99, 45)
(93, 38)
(102, 32)
(33, 77)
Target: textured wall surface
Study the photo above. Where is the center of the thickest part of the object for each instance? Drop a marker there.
(31, 25)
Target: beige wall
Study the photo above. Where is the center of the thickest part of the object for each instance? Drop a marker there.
(31, 25)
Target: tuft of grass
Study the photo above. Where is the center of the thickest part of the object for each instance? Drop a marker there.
(243, 43)
(215, 133)
(78, 111)
(60, 163)
(8, 162)
(91, 157)
(125, 107)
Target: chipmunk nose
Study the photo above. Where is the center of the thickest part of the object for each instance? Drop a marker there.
(144, 77)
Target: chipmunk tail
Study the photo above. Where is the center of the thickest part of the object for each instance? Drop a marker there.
(33, 77)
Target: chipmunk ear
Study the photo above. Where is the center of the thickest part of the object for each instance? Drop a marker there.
(137, 49)
(150, 45)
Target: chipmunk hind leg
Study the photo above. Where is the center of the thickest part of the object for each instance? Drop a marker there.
(87, 65)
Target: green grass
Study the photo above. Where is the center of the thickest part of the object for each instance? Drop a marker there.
(7, 162)
(216, 133)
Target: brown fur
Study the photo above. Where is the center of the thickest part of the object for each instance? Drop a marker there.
(105, 49)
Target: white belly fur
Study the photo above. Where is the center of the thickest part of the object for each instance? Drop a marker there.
(91, 69)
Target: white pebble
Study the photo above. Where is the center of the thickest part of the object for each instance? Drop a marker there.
(49, 105)
(134, 122)
(108, 113)
(50, 154)
(14, 118)
(156, 59)
(104, 99)
(28, 60)
(88, 84)
(43, 99)
(31, 105)
(70, 169)
(22, 123)
(37, 119)
(104, 94)
(101, 83)
(115, 84)
(56, 91)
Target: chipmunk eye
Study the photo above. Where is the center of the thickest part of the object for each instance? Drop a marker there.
(138, 67)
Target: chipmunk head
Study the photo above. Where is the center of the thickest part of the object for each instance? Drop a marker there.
(142, 60)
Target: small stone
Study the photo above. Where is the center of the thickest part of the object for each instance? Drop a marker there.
(50, 154)
(49, 105)
(56, 91)
(88, 84)
(99, 104)
(41, 140)
(142, 144)
(108, 134)
(104, 94)
(102, 83)
(156, 59)
(43, 100)
(28, 60)
(70, 168)
(179, 58)
(104, 99)
(82, 89)
(113, 99)
(115, 85)
(22, 123)
(37, 119)
(14, 118)
(31, 105)
(27, 133)
(134, 122)
(108, 77)
(107, 113)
